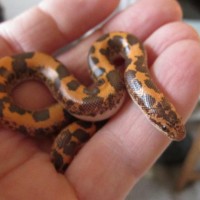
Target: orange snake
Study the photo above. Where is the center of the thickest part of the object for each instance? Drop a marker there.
(95, 103)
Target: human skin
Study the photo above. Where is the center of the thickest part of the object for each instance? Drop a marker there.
(115, 158)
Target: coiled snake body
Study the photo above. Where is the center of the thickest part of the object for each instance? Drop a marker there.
(95, 103)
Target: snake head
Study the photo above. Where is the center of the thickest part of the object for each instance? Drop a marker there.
(175, 132)
(168, 121)
(164, 116)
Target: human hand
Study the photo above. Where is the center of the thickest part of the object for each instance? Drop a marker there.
(113, 160)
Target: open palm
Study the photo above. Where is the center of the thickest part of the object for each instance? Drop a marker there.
(119, 154)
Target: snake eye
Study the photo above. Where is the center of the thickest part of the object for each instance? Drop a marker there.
(164, 128)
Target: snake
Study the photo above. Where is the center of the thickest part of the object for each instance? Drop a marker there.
(79, 109)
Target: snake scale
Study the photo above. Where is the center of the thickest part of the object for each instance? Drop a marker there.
(95, 103)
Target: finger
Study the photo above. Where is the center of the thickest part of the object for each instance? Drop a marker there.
(51, 25)
(124, 149)
(167, 35)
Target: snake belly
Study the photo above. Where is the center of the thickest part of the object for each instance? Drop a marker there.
(95, 103)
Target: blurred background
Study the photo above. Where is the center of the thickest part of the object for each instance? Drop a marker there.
(175, 175)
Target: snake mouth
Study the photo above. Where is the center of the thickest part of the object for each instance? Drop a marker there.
(181, 133)
(178, 134)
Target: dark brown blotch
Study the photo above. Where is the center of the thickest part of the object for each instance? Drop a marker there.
(165, 104)
(94, 60)
(3, 71)
(70, 148)
(115, 79)
(2, 87)
(62, 71)
(172, 117)
(116, 44)
(41, 115)
(57, 160)
(16, 109)
(23, 56)
(92, 50)
(160, 111)
(163, 108)
(68, 117)
(63, 138)
(84, 124)
(73, 85)
(19, 65)
(69, 103)
(140, 64)
(100, 82)
(81, 135)
(105, 52)
(130, 75)
(149, 83)
(91, 91)
(132, 39)
(2, 106)
(112, 101)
